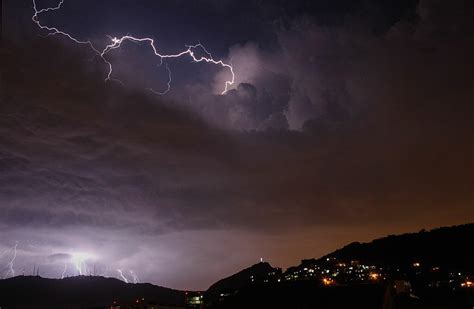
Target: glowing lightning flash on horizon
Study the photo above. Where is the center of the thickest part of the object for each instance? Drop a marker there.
(117, 43)
(122, 275)
(64, 271)
(135, 277)
(10, 270)
(79, 261)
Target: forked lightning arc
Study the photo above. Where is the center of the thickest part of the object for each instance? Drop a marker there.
(116, 42)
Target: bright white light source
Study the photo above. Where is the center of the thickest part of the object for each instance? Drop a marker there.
(79, 260)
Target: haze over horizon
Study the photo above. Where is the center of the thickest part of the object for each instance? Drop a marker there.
(348, 121)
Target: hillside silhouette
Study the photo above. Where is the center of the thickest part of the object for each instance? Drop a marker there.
(81, 292)
(243, 277)
(446, 247)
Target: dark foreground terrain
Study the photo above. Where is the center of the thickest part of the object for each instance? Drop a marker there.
(96, 292)
(308, 295)
(445, 247)
(82, 292)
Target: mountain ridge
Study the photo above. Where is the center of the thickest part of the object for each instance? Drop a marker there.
(80, 291)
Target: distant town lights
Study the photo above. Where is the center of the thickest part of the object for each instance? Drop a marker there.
(327, 281)
(467, 284)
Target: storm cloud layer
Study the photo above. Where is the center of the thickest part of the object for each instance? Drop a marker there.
(346, 122)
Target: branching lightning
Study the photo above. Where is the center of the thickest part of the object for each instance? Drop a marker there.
(116, 42)
(168, 84)
(122, 275)
(135, 277)
(79, 261)
(10, 265)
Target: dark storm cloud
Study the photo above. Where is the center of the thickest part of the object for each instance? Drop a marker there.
(322, 71)
(344, 120)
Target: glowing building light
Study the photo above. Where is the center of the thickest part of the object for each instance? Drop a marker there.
(467, 284)
(327, 281)
(374, 276)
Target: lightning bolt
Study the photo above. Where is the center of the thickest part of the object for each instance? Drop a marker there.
(122, 276)
(168, 84)
(79, 261)
(116, 43)
(64, 271)
(135, 277)
(10, 270)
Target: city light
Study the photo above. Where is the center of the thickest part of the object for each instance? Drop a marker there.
(327, 281)
(467, 284)
(374, 276)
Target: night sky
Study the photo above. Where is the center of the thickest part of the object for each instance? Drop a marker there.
(348, 120)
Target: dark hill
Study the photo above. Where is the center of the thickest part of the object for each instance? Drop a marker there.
(258, 272)
(448, 247)
(224, 288)
(80, 292)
